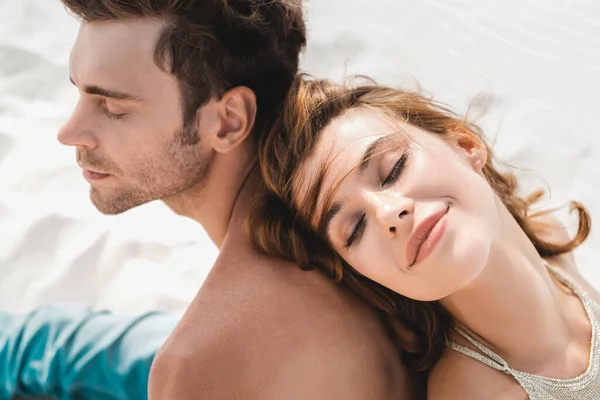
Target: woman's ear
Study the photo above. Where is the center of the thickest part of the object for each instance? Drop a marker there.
(237, 113)
(473, 148)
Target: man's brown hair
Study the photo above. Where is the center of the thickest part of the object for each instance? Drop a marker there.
(212, 46)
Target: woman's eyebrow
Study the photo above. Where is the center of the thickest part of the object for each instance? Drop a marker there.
(334, 210)
(373, 148)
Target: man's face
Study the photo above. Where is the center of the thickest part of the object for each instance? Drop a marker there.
(127, 127)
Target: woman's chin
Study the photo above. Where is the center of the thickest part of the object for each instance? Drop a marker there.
(453, 264)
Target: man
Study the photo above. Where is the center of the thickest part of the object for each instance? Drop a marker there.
(174, 94)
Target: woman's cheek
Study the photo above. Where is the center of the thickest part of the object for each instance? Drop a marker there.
(372, 260)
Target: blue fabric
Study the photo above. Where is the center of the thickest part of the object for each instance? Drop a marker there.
(77, 353)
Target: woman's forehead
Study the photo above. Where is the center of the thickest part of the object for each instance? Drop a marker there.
(340, 148)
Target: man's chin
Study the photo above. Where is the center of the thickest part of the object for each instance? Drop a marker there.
(110, 209)
(116, 205)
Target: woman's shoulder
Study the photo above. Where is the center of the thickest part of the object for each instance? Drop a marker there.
(457, 376)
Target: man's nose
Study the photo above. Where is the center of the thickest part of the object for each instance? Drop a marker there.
(77, 130)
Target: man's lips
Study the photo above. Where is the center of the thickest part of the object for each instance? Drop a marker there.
(93, 175)
(420, 234)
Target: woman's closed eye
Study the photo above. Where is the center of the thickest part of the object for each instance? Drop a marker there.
(397, 170)
(357, 232)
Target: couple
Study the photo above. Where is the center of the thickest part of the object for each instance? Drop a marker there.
(443, 267)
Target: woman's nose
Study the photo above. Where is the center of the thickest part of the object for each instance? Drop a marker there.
(392, 212)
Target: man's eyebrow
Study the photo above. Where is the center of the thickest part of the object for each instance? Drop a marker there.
(331, 213)
(111, 94)
(370, 151)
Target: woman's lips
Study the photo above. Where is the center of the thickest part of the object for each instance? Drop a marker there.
(425, 237)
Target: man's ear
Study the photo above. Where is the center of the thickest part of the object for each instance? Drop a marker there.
(472, 147)
(236, 112)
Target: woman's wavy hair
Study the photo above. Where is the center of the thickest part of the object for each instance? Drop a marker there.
(280, 227)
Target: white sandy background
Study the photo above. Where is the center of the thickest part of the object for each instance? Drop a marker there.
(533, 65)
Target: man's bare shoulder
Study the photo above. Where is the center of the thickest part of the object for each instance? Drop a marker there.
(458, 377)
(274, 331)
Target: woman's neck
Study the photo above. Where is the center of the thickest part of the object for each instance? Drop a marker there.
(514, 304)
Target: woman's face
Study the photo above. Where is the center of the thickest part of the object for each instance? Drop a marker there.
(415, 216)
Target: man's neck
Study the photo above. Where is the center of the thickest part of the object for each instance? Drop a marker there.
(213, 202)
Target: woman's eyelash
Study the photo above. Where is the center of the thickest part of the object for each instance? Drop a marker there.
(357, 232)
(397, 170)
(108, 113)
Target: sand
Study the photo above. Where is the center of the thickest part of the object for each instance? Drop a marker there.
(532, 67)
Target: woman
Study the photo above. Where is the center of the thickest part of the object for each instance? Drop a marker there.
(399, 198)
